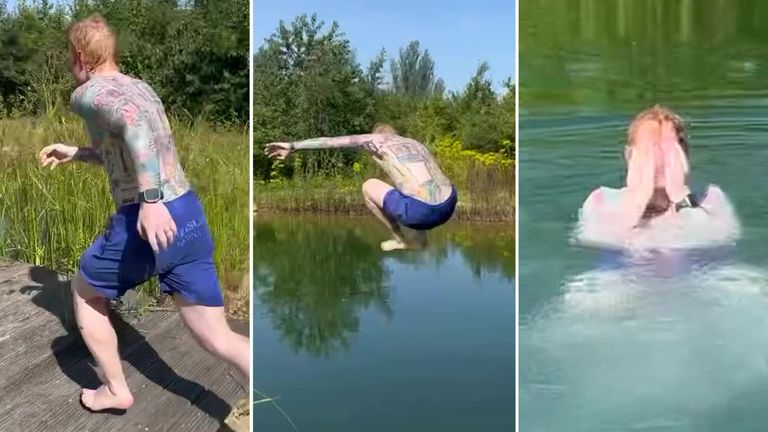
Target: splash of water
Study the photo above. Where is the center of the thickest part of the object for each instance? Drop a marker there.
(716, 225)
(624, 349)
(668, 337)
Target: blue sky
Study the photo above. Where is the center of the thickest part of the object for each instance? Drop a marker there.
(458, 34)
(10, 4)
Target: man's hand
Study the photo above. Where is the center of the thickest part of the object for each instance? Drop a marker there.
(156, 225)
(640, 182)
(675, 172)
(56, 154)
(278, 150)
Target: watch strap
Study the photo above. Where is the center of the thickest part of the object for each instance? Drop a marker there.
(151, 195)
(689, 201)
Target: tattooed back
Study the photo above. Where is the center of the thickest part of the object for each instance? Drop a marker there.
(411, 166)
(128, 126)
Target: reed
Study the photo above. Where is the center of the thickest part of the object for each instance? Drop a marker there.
(485, 184)
(49, 217)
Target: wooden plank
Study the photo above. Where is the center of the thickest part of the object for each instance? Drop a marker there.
(157, 404)
(38, 394)
(46, 336)
(69, 369)
(201, 379)
(78, 418)
(51, 397)
(11, 269)
(231, 387)
(44, 363)
(167, 387)
(13, 292)
(37, 286)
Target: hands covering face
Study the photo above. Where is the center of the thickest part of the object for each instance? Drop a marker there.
(655, 161)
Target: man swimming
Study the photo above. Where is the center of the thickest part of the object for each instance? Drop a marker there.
(657, 207)
(159, 227)
(422, 199)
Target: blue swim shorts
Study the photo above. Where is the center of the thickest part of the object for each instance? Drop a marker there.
(120, 259)
(416, 214)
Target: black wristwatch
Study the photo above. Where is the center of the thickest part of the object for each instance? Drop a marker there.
(151, 196)
(689, 201)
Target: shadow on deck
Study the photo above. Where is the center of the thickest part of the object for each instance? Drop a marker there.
(43, 364)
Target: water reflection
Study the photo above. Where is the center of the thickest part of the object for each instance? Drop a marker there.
(315, 276)
(589, 53)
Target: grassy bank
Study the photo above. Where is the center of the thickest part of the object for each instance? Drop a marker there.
(49, 217)
(485, 184)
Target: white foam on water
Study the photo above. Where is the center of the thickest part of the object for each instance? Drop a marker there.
(622, 349)
(717, 226)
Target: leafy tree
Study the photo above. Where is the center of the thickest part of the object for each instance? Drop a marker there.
(374, 75)
(508, 121)
(195, 54)
(307, 83)
(481, 120)
(413, 73)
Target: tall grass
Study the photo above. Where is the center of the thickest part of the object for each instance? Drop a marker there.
(485, 184)
(49, 217)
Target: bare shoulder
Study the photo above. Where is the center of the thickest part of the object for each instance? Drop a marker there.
(147, 87)
(386, 139)
(89, 90)
(404, 144)
(85, 98)
(79, 92)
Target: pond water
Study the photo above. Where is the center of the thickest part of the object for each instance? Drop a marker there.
(609, 344)
(347, 337)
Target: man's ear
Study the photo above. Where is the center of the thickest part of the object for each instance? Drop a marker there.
(81, 60)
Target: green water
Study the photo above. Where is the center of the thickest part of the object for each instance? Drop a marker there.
(611, 345)
(349, 338)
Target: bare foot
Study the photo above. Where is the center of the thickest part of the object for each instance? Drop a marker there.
(393, 244)
(102, 399)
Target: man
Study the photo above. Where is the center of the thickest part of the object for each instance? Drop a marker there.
(423, 198)
(159, 227)
(656, 207)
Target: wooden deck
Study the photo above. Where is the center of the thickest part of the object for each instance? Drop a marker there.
(43, 364)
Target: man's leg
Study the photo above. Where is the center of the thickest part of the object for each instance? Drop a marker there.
(374, 191)
(209, 327)
(93, 320)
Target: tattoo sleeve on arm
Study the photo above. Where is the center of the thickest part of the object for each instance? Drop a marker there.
(329, 143)
(130, 122)
(89, 155)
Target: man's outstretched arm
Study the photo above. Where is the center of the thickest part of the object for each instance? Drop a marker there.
(335, 142)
